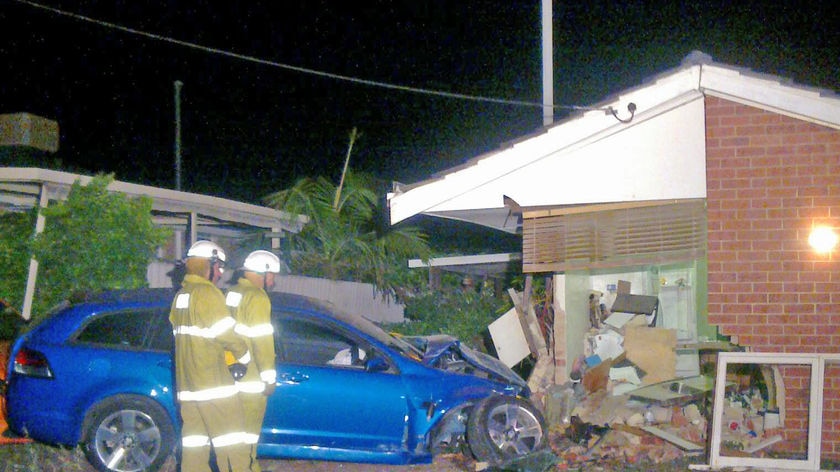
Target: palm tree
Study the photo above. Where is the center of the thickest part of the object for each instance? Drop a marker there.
(344, 239)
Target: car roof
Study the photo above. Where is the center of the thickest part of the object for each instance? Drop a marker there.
(148, 295)
(73, 312)
(155, 296)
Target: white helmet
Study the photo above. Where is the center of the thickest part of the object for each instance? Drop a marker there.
(207, 250)
(262, 261)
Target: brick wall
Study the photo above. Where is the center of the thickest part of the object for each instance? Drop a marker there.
(770, 178)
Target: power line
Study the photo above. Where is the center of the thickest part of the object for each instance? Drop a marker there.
(303, 70)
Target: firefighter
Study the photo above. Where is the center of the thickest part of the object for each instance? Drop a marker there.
(250, 306)
(211, 410)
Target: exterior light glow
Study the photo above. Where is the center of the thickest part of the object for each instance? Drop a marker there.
(823, 239)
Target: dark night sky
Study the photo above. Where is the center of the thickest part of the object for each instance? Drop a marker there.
(249, 129)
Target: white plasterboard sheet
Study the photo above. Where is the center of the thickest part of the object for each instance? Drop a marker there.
(509, 338)
(617, 320)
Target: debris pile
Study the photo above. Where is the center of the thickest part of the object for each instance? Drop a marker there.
(604, 427)
(638, 394)
(653, 424)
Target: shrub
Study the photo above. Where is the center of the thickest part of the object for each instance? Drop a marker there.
(15, 231)
(92, 241)
(464, 314)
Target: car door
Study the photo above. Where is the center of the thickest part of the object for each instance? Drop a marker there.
(325, 398)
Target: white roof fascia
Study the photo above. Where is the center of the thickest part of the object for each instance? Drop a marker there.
(498, 218)
(771, 94)
(26, 180)
(461, 189)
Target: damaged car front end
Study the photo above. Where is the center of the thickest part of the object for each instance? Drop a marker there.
(489, 416)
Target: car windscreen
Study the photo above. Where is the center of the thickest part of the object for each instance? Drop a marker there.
(373, 330)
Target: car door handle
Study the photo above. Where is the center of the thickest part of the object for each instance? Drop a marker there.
(297, 377)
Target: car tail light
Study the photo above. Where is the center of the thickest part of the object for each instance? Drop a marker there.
(32, 363)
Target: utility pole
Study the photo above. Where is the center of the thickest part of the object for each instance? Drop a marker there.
(547, 62)
(178, 85)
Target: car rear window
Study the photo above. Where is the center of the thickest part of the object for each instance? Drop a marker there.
(140, 329)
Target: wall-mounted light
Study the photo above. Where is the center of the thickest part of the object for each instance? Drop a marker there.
(823, 239)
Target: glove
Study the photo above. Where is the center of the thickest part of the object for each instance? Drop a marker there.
(269, 389)
(238, 370)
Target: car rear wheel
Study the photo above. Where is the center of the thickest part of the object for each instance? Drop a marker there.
(128, 433)
(501, 428)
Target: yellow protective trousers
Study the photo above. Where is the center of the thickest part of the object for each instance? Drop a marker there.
(220, 422)
(254, 406)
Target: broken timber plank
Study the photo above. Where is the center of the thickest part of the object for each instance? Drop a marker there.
(628, 429)
(542, 375)
(664, 394)
(530, 324)
(681, 443)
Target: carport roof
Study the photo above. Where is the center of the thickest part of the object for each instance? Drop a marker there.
(20, 188)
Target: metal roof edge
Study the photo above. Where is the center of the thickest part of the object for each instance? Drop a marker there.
(204, 204)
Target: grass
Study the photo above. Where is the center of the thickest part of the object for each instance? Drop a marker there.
(41, 458)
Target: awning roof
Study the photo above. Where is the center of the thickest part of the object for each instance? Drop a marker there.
(593, 158)
(482, 265)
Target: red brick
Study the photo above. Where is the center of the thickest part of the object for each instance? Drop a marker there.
(816, 148)
(790, 135)
(740, 330)
(820, 343)
(750, 151)
(737, 308)
(798, 287)
(781, 192)
(783, 150)
(785, 276)
(752, 298)
(799, 329)
(786, 340)
(815, 276)
(815, 190)
(797, 181)
(752, 131)
(782, 319)
(734, 120)
(766, 309)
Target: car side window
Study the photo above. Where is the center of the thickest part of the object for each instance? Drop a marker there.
(159, 337)
(306, 342)
(140, 329)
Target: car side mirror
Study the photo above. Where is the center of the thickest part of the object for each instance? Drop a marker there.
(376, 364)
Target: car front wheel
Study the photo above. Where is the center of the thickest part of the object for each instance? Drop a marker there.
(128, 433)
(501, 428)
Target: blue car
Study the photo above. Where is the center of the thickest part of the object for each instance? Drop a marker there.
(98, 374)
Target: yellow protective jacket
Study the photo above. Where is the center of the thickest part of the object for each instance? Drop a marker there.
(203, 330)
(251, 308)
